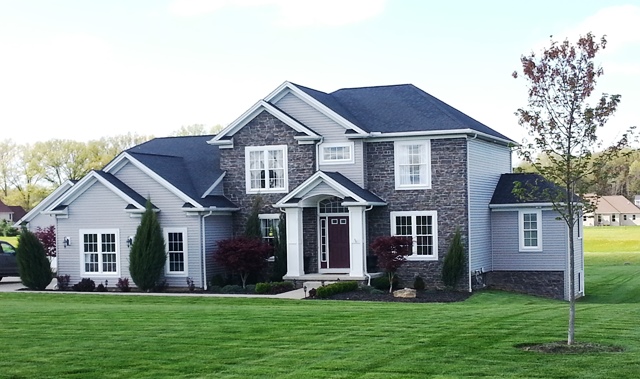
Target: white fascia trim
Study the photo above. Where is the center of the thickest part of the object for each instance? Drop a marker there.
(42, 205)
(521, 205)
(315, 104)
(311, 182)
(252, 112)
(443, 133)
(214, 185)
(159, 179)
(211, 209)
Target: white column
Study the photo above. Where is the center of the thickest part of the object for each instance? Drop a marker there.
(295, 250)
(357, 241)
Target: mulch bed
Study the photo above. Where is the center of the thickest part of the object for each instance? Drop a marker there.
(561, 347)
(421, 297)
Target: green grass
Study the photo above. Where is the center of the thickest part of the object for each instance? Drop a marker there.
(92, 336)
(612, 238)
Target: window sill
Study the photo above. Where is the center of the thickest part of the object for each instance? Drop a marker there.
(419, 258)
(409, 188)
(264, 190)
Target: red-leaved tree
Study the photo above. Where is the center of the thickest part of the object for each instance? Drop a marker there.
(47, 237)
(391, 251)
(243, 255)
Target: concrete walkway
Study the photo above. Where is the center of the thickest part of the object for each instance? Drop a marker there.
(13, 283)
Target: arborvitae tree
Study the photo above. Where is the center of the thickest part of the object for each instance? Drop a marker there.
(252, 229)
(33, 265)
(280, 250)
(148, 256)
(453, 266)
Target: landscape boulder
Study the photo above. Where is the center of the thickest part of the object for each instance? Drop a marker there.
(405, 293)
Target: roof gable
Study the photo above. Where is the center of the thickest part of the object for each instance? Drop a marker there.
(42, 205)
(534, 184)
(616, 204)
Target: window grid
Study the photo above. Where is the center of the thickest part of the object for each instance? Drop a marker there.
(420, 228)
(269, 228)
(175, 243)
(100, 252)
(266, 168)
(412, 165)
(332, 205)
(336, 153)
(323, 239)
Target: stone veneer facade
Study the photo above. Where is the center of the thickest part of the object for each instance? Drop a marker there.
(447, 196)
(263, 130)
(540, 283)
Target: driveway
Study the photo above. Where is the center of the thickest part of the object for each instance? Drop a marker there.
(13, 283)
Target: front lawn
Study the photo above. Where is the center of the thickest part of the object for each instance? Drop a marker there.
(612, 238)
(96, 336)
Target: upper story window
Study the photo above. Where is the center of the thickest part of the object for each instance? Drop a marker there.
(266, 169)
(530, 225)
(99, 252)
(336, 153)
(176, 245)
(413, 164)
(422, 228)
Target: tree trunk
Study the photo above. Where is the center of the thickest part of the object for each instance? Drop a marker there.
(243, 277)
(391, 275)
(572, 284)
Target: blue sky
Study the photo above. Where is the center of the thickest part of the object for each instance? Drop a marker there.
(82, 69)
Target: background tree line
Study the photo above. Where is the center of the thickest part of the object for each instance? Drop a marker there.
(618, 176)
(29, 172)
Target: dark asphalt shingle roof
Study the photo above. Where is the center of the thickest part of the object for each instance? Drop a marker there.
(188, 163)
(396, 108)
(534, 184)
(353, 187)
(139, 199)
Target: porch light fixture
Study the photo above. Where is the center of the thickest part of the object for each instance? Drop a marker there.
(129, 241)
(66, 241)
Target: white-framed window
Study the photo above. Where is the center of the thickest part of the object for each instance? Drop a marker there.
(530, 225)
(422, 228)
(266, 169)
(412, 164)
(633, 217)
(269, 226)
(624, 217)
(337, 153)
(99, 252)
(175, 240)
(613, 218)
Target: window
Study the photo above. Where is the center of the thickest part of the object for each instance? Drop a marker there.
(269, 226)
(266, 169)
(624, 217)
(599, 219)
(422, 228)
(584, 218)
(176, 244)
(99, 252)
(633, 217)
(530, 230)
(613, 218)
(413, 164)
(336, 153)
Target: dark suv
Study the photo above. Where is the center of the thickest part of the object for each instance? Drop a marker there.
(8, 263)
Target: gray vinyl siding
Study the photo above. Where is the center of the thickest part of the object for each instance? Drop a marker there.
(41, 221)
(171, 215)
(578, 259)
(331, 131)
(96, 208)
(505, 238)
(487, 161)
(217, 227)
(322, 189)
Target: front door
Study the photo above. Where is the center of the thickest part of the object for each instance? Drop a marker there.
(338, 241)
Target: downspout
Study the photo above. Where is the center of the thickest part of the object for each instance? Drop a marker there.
(365, 257)
(318, 153)
(205, 285)
(470, 284)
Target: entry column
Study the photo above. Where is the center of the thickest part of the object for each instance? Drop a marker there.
(357, 240)
(295, 247)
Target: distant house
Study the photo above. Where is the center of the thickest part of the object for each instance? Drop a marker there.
(10, 213)
(637, 200)
(613, 211)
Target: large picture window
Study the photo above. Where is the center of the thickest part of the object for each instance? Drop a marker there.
(100, 253)
(412, 164)
(530, 230)
(266, 169)
(176, 244)
(422, 228)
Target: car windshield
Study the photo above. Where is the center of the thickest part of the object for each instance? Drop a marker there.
(7, 248)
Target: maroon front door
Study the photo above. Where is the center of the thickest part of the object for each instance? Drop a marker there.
(338, 228)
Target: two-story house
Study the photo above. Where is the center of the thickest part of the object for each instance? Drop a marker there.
(344, 167)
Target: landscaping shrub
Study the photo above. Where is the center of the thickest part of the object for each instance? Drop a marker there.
(33, 265)
(148, 256)
(7, 230)
(123, 285)
(250, 288)
(48, 238)
(215, 289)
(63, 282)
(101, 288)
(418, 283)
(243, 255)
(160, 286)
(85, 285)
(382, 283)
(453, 265)
(232, 288)
(273, 287)
(335, 288)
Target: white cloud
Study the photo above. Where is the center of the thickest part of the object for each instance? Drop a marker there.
(291, 13)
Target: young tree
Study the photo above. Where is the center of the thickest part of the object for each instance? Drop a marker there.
(33, 265)
(148, 256)
(391, 251)
(252, 229)
(453, 265)
(562, 125)
(47, 237)
(243, 255)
